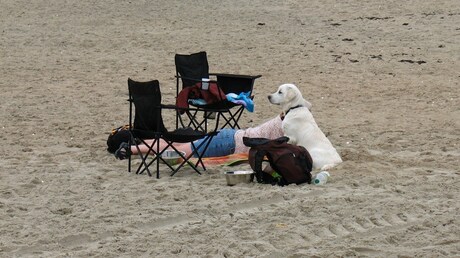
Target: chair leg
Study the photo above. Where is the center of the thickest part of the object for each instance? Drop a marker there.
(194, 121)
(194, 150)
(200, 157)
(233, 119)
(129, 164)
(186, 160)
(156, 157)
(144, 165)
(158, 160)
(237, 114)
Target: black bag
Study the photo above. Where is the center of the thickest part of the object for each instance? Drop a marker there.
(292, 163)
(116, 137)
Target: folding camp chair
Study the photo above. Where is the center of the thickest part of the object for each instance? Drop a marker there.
(191, 69)
(145, 104)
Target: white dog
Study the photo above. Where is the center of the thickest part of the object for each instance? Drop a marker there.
(301, 128)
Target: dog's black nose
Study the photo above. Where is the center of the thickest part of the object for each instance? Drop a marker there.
(269, 97)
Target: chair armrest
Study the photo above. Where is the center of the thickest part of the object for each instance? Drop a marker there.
(192, 79)
(174, 107)
(236, 75)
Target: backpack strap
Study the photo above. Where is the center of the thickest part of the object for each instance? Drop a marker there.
(254, 142)
(306, 160)
(255, 160)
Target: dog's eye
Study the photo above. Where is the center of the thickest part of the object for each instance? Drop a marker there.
(279, 92)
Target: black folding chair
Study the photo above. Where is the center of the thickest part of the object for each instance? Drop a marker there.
(191, 69)
(145, 104)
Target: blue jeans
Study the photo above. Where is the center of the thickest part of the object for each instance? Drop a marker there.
(222, 144)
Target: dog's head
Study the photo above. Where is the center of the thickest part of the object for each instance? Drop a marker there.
(288, 96)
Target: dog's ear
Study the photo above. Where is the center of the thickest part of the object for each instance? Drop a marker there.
(293, 92)
(289, 94)
(307, 104)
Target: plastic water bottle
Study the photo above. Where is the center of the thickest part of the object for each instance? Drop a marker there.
(321, 178)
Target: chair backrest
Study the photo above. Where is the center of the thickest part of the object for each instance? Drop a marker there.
(236, 83)
(194, 66)
(146, 97)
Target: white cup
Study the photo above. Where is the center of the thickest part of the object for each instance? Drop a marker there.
(205, 83)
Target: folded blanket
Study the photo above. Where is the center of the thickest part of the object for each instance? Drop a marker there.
(199, 102)
(243, 98)
(229, 160)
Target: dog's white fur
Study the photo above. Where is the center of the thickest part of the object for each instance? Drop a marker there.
(301, 128)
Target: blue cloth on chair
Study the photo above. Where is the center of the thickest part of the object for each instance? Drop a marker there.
(243, 98)
(197, 102)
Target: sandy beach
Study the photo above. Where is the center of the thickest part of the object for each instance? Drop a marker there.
(383, 78)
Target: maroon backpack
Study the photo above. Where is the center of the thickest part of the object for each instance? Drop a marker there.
(292, 163)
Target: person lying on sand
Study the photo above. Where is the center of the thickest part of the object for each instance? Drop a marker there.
(226, 142)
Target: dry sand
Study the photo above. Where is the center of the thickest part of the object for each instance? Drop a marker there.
(383, 78)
